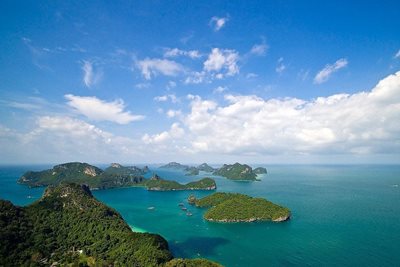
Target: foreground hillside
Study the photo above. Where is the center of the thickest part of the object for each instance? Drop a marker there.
(69, 226)
(234, 207)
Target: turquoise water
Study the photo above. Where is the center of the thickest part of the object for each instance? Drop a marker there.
(341, 216)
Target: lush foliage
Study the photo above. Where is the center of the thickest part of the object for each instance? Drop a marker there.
(191, 263)
(67, 225)
(233, 207)
(236, 171)
(165, 185)
(83, 173)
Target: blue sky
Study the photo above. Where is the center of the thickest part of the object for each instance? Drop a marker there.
(216, 81)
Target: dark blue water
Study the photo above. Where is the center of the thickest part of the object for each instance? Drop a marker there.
(341, 216)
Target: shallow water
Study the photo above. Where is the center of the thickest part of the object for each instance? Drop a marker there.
(341, 216)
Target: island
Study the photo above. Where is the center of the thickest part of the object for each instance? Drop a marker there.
(234, 207)
(67, 226)
(158, 184)
(237, 171)
(82, 173)
(114, 176)
(260, 170)
(190, 170)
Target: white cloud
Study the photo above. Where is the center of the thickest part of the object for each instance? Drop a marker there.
(220, 89)
(217, 22)
(175, 132)
(175, 52)
(280, 66)
(143, 85)
(164, 98)
(397, 55)
(360, 123)
(174, 113)
(90, 76)
(100, 110)
(259, 49)
(196, 78)
(324, 74)
(151, 67)
(222, 59)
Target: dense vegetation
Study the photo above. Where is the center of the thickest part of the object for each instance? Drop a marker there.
(158, 184)
(237, 171)
(83, 173)
(233, 207)
(69, 226)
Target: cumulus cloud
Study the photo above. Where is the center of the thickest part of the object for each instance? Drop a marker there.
(218, 22)
(175, 132)
(220, 89)
(152, 67)
(324, 74)
(360, 123)
(222, 59)
(90, 76)
(164, 98)
(61, 139)
(100, 110)
(175, 52)
(174, 113)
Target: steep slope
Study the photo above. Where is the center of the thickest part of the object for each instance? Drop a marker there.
(68, 225)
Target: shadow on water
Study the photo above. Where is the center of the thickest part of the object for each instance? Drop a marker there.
(197, 245)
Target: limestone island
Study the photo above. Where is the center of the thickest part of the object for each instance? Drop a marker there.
(67, 226)
(190, 170)
(114, 176)
(234, 207)
(238, 172)
(158, 184)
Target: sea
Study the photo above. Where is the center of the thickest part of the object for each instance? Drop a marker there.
(342, 215)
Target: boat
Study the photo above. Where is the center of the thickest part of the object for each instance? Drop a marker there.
(151, 208)
(181, 204)
(184, 209)
(189, 213)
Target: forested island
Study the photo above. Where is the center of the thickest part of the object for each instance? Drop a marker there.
(234, 207)
(114, 176)
(158, 184)
(82, 173)
(237, 171)
(68, 226)
(190, 170)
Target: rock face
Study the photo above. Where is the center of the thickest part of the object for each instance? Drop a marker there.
(260, 170)
(69, 227)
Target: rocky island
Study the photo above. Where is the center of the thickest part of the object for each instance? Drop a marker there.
(114, 176)
(190, 170)
(234, 207)
(237, 171)
(158, 184)
(82, 173)
(69, 227)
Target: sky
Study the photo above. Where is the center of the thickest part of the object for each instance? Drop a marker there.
(266, 82)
